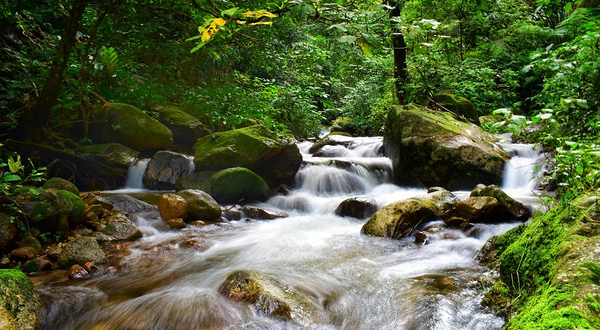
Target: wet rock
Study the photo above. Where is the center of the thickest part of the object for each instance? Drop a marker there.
(77, 272)
(238, 183)
(233, 214)
(508, 207)
(399, 219)
(97, 200)
(198, 180)
(172, 206)
(20, 303)
(258, 213)
(53, 210)
(201, 206)
(330, 140)
(185, 127)
(357, 207)
(458, 105)
(8, 232)
(129, 204)
(198, 223)
(23, 253)
(130, 126)
(165, 168)
(176, 223)
(112, 154)
(120, 228)
(61, 184)
(274, 157)
(431, 148)
(80, 251)
(268, 296)
(36, 265)
(420, 238)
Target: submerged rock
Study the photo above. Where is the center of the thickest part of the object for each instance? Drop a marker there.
(268, 296)
(20, 303)
(238, 183)
(431, 148)
(130, 126)
(274, 157)
(357, 207)
(399, 219)
(80, 251)
(201, 206)
(165, 168)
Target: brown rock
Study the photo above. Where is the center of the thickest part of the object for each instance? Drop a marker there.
(172, 206)
(254, 212)
(76, 272)
(176, 223)
(23, 253)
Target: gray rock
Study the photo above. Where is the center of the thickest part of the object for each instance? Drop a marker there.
(81, 250)
(165, 168)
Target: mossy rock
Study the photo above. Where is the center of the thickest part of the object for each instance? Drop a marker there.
(343, 124)
(458, 105)
(201, 206)
(74, 207)
(61, 184)
(399, 219)
(130, 126)
(268, 296)
(185, 127)
(238, 183)
(274, 157)
(431, 148)
(81, 250)
(20, 303)
(198, 180)
(53, 210)
(118, 227)
(112, 154)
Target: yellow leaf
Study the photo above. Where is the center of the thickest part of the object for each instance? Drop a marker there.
(212, 28)
(265, 23)
(219, 22)
(259, 13)
(240, 22)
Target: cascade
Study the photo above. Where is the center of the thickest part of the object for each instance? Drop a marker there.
(135, 174)
(170, 279)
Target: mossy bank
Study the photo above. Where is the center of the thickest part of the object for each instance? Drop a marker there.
(549, 272)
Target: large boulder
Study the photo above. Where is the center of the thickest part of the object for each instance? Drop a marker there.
(185, 127)
(238, 183)
(8, 231)
(268, 296)
(399, 219)
(431, 148)
(81, 250)
(198, 180)
(201, 206)
(112, 154)
(53, 210)
(130, 126)
(357, 207)
(165, 168)
(274, 157)
(61, 184)
(20, 303)
(171, 206)
(458, 105)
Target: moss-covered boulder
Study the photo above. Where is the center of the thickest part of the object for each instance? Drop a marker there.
(52, 210)
(201, 206)
(399, 219)
(268, 296)
(432, 148)
(185, 127)
(343, 124)
(274, 157)
(198, 180)
(61, 184)
(509, 206)
(550, 269)
(458, 105)
(238, 183)
(130, 126)
(165, 168)
(20, 303)
(112, 154)
(81, 250)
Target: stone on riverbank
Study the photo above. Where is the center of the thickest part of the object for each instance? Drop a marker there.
(81, 250)
(20, 303)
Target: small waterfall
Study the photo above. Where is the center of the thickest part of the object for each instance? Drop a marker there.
(520, 172)
(135, 174)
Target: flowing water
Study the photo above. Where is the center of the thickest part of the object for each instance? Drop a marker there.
(170, 279)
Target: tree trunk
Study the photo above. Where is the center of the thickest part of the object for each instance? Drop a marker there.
(41, 111)
(399, 49)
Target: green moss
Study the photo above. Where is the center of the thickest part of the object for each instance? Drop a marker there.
(20, 303)
(74, 206)
(234, 184)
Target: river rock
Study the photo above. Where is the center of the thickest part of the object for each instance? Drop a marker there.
(97, 200)
(20, 303)
(357, 207)
(399, 219)
(77, 272)
(176, 223)
(23, 253)
(81, 250)
(126, 203)
(268, 296)
(510, 207)
(201, 206)
(61, 184)
(130, 126)
(238, 183)
(431, 148)
(8, 231)
(172, 206)
(119, 228)
(30, 241)
(458, 105)
(165, 168)
(329, 140)
(254, 212)
(274, 157)
(185, 127)
(36, 265)
(53, 210)
(199, 180)
(112, 154)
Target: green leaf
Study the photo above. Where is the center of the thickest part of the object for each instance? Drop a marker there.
(14, 164)
(7, 177)
(195, 49)
(230, 12)
(347, 39)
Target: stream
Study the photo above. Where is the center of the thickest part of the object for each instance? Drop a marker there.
(169, 279)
